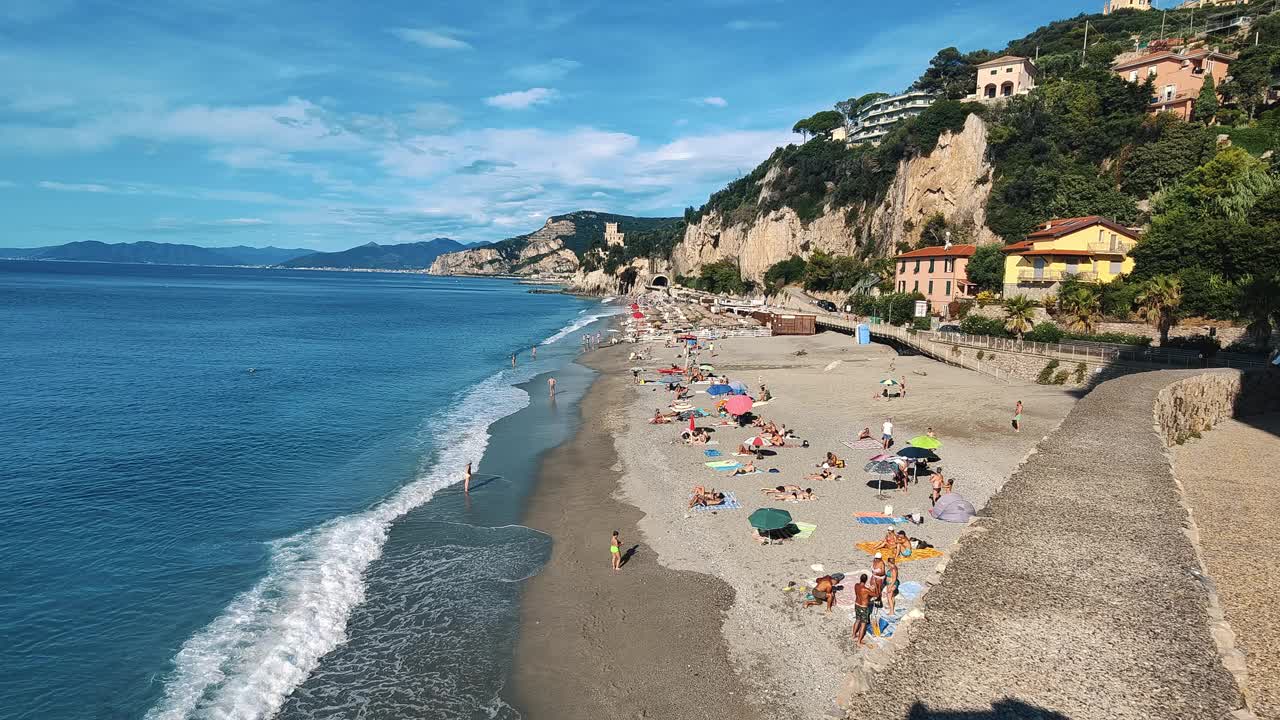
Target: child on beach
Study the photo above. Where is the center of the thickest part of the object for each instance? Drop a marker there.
(615, 551)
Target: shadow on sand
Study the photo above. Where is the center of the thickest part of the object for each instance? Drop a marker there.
(1006, 709)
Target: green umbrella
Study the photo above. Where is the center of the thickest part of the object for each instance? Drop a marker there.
(890, 382)
(769, 519)
(708, 368)
(926, 442)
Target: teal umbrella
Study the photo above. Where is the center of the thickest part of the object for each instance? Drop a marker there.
(889, 382)
(768, 519)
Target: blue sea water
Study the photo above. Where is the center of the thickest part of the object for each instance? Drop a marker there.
(232, 493)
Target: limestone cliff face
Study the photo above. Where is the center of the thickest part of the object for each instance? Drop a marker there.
(952, 180)
(638, 273)
(543, 253)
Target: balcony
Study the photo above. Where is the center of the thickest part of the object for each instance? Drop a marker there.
(1052, 276)
(1110, 248)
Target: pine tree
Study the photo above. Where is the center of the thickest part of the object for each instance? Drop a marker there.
(1206, 105)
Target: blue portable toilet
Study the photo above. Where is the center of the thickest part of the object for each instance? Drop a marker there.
(864, 334)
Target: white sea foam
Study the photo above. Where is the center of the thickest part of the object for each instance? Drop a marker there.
(580, 323)
(244, 664)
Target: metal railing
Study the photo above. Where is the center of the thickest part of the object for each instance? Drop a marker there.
(1110, 247)
(1053, 275)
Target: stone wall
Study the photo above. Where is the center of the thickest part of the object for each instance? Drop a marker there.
(1226, 332)
(1194, 405)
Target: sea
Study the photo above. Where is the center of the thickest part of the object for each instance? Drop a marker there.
(235, 493)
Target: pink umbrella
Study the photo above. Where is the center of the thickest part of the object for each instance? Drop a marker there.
(635, 306)
(637, 315)
(738, 404)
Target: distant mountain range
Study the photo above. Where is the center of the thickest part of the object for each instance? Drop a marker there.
(407, 256)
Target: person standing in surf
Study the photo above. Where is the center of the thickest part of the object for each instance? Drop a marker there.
(513, 359)
(534, 350)
(1017, 417)
(466, 479)
(615, 551)
(551, 386)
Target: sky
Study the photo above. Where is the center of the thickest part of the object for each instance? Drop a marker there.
(326, 124)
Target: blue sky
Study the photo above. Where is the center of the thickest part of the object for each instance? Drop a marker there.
(327, 124)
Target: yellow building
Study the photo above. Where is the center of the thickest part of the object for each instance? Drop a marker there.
(1092, 248)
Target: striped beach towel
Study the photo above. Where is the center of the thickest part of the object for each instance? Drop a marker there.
(864, 444)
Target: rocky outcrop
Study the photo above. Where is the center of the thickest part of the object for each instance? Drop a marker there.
(539, 253)
(952, 180)
(640, 272)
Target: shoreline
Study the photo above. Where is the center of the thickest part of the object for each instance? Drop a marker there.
(644, 642)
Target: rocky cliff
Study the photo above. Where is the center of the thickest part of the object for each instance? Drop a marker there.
(541, 253)
(952, 180)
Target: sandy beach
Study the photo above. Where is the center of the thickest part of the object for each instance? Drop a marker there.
(701, 612)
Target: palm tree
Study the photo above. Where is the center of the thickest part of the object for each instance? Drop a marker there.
(1158, 303)
(1082, 308)
(1260, 305)
(1019, 311)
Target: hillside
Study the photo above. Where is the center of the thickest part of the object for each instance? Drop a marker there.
(155, 253)
(372, 256)
(560, 247)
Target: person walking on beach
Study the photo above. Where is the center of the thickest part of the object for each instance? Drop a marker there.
(902, 391)
(615, 551)
(862, 594)
(551, 385)
(886, 435)
(1017, 417)
(534, 350)
(466, 480)
(513, 359)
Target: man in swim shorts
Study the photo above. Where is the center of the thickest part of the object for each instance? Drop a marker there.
(862, 595)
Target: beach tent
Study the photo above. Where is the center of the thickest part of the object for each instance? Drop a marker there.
(953, 508)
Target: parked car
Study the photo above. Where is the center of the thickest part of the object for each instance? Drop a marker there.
(827, 305)
(951, 328)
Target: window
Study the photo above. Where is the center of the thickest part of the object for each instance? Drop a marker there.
(948, 288)
(994, 71)
(930, 287)
(902, 286)
(931, 264)
(1117, 267)
(904, 266)
(1133, 76)
(1151, 70)
(917, 270)
(1073, 266)
(1009, 69)
(916, 288)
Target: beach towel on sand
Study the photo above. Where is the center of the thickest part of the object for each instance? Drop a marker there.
(878, 519)
(806, 530)
(711, 453)
(869, 547)
(723, 465)
(730, 503)
(863, 444)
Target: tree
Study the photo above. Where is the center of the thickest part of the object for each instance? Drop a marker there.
(1206, 105)
(1081, 307)
(851, 107)
(1019, 311)
(1260, 305)
(952, 73)
(986, 267)
(1158, 304)
(935, 232)
(820, 123)
(721, 276)
(781, 274)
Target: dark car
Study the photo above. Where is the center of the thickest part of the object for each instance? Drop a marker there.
(826, 305)
(955, 329)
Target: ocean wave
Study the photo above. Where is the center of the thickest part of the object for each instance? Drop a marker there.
(247, 661)
(580, 323)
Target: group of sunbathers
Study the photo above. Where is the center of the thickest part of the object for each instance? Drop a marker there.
(706, 498)
(791, 493)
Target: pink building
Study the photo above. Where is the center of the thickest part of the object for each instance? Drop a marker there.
(938, 273)
(1178, 76)
(1004, 77)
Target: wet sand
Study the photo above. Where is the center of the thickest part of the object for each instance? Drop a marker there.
(645, 642)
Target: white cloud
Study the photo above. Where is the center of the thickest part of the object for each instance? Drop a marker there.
(751, 25)
(436, 39)
(433, 116)
(714, 101)
(73, 187)
(523, 99)
(544, 72)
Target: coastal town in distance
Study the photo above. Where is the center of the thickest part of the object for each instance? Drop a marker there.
(550, 360)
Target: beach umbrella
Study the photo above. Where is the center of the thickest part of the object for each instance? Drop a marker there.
(634, 306)
(738, 386)
(707, 368)
(926, 442)
(719, 390)
(637, 315)
(755, 441)
(738, 404)
(692, 427)
(769, 519)
(888, 382)
(881, 467)
(918, 453)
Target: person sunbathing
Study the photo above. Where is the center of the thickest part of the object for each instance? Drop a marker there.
(706, 498)
(889, 545)
(659, 419)
(832, 461)
(746, 449)
(865, 434)
(777, 440)
(700, 437)
(824, 474)
(747, 469)
(904, 544)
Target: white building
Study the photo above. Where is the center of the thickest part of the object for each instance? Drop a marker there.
(875, 120)
(611, 235)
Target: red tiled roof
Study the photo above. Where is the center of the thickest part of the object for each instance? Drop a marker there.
(1020, 245)
(953, 251)
(1062, 253)
(1065, 226)
(1170, 55)
(1004, 60)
